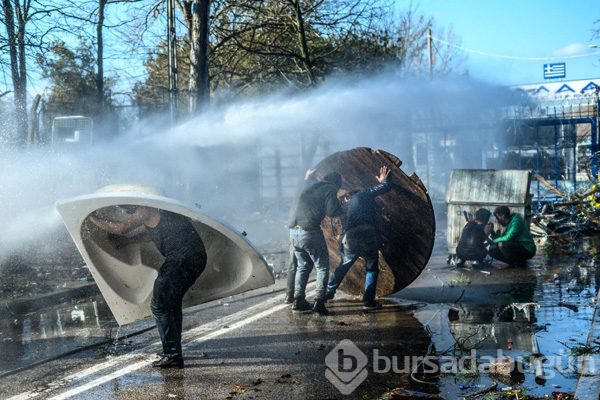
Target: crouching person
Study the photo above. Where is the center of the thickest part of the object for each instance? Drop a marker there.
(185, 259)
(473, 242)
(515, 246)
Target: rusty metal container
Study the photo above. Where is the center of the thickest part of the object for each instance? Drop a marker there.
(407, 220)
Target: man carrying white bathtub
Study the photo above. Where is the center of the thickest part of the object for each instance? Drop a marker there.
(185, 259)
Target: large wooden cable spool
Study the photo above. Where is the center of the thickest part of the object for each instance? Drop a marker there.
(407, 220)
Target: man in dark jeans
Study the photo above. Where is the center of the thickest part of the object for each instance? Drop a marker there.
(362, 239)
(315, 202)
(472, 245)
(185, 259)
(515, 246)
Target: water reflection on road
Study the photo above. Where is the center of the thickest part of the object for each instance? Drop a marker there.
(31, 338)
(548, 312)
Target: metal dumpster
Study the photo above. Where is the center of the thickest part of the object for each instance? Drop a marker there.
(471, 189)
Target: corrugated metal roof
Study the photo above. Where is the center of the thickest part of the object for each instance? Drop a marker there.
(488, 186)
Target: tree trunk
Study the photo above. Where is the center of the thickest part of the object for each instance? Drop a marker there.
(100, 55)
(199, 79)
(16, 49)
(303, 43)
(34, 126)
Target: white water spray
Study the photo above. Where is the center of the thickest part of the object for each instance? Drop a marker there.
(379, 112)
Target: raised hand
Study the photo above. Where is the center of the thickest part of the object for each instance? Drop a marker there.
(383, 174)
(308, 173)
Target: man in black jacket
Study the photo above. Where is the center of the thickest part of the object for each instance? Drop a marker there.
(185, 258)
(362, 239)
(315, 202)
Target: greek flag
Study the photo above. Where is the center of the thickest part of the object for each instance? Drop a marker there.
(556, 70)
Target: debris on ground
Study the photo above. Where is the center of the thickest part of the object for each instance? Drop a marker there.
(400, 393)
(572, 216)
(484, 391)
(506, 366)
(287, 378)
(569, 306)
(25, 278)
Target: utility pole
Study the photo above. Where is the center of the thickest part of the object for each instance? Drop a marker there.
(430, 50)
(172, 54)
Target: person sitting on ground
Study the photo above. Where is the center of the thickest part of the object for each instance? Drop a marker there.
(362, 239)
(185, 258)
(515, 246)
(472, 245)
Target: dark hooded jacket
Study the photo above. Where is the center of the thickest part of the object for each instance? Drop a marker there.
(317, 201)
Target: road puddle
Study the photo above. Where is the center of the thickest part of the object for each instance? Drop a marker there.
(51, 332)
(539, 324)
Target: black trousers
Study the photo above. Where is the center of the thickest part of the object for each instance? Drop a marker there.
(175, 277)
(471, 254)
(511, 253)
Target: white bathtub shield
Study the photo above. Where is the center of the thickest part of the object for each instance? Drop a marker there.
(125, 274)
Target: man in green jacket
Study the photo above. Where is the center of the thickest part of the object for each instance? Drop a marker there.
(515, 246)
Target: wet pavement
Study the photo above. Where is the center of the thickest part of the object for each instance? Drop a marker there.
(250, 348)
(254, 346)
(546, 308)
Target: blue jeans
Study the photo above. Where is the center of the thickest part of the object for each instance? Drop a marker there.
(310, 249)
(348, 258)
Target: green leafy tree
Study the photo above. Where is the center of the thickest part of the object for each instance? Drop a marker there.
(72, 76)
(152, 94)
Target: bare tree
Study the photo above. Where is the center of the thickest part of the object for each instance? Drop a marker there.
(293, 41)
(90, 14)
(100, 53)
(15, 17)
(410, 44)
(266, 44)
(28, 31)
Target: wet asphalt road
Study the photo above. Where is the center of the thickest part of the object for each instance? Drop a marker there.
(252, 346)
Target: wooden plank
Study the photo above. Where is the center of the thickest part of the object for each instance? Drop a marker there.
(408, 221)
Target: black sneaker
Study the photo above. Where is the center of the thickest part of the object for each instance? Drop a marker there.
(372, 305)
(301, 305)
(172, 361)
(289, 299)
(319, 307)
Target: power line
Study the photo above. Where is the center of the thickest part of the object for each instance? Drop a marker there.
(483, 53)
